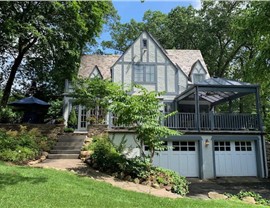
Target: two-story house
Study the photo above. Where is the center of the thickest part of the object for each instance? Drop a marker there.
(214, 143)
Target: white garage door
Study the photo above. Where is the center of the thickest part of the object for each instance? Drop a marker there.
(235, 158)
(181, 156)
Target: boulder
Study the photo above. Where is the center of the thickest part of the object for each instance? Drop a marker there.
(44, 154)
(168, 188)
(137, 180)
(156, 186)
(249, 200)
(85, 153)
(42, 158)
(215, 195)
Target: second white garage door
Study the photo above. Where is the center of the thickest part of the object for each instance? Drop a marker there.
(235, 158)
(181, 156)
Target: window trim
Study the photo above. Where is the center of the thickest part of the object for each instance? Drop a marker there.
(144, 66)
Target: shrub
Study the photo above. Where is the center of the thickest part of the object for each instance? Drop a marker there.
(68, 130)
(72, 119)
(106, 158)
(258, 198)
(8, 116)
(22, 146)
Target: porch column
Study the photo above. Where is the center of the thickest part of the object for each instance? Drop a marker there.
(258, 107)
(197, 110)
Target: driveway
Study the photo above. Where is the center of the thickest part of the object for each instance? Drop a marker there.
(200, 188)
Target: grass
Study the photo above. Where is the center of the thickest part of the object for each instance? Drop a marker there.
(35, 187)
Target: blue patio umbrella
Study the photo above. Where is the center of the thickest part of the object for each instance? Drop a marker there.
(29, 101)
(34, 109)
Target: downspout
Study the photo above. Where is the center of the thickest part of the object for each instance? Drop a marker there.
(264, 157)
(258, 106)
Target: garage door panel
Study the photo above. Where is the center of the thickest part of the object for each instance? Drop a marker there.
(161, 159)
(235, 159)
(181, 158)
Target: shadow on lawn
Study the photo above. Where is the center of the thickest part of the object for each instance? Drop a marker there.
(13, 178)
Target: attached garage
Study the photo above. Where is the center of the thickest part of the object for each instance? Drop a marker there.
(235, 158)
(181, 156)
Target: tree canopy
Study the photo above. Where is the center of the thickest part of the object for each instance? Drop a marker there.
(233, 37)
(43, 41)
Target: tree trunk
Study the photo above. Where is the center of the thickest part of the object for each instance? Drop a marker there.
(11, 78)
(17, 62)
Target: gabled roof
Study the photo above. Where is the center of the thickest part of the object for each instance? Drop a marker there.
(181, 59)
(98, 71)
(185, 59)
(103, 62)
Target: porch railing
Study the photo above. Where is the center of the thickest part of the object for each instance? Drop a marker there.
(213, 121)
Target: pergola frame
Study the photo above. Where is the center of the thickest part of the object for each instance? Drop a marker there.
(217, 91)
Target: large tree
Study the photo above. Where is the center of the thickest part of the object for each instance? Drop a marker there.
(43, 41)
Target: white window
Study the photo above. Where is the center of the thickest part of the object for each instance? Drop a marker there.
(144, 73)
(222, 146)
(183, 146)
(198, 78)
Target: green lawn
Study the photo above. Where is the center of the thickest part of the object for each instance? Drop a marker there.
(35, 187)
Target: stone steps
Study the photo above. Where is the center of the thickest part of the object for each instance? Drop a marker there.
(67, 147)
(65, 151)
(63, 156)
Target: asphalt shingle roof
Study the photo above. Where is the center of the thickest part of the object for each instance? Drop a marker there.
(182, 58)
(103, 62)
(185, 59)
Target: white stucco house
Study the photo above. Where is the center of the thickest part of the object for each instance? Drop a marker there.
(214, 143)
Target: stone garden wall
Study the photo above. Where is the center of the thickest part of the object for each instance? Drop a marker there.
(49, 130)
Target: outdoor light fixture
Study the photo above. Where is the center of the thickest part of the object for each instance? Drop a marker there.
(206, 142)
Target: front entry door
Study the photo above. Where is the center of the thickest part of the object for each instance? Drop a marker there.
(82, 116)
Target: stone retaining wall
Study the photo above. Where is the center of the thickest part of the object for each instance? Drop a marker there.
(97, 129)
(49, 130)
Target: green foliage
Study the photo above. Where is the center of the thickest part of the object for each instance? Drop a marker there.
(56, 32)
(258, 198)
(142, 113)
(22, 146)
(55, 110)
(94, 92)
(72, 119)
(179, 183)
(106, 158)
(7, 115)
(68, 130)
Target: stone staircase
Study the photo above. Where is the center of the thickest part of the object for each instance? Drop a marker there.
(67, 147)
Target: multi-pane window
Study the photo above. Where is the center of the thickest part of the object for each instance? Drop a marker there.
(144, 73)
(243, 146)
(222, 146)
(183, 146)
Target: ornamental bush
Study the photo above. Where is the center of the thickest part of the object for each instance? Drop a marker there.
(106, 158)
(21, 146)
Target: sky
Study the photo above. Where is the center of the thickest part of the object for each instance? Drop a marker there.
(134, 9)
